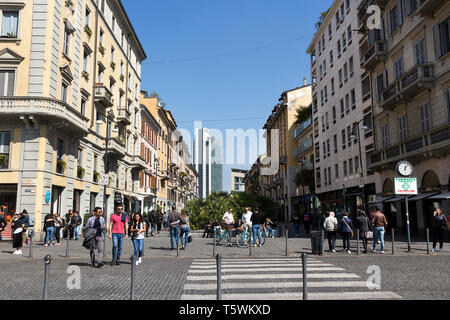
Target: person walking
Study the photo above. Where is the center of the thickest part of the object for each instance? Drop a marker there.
(379, 224)
(173, 222)
(3, 225)
(268, 227)
(26, 225)
(330, 225)
(207, 229)
(159, 221)
(345, 228)
(296, 222)
(137, 236)
(185, 229)
(147, 223)
(228, 219)
(153, 223)
(49, 222)
(306, 222)
(118, 227)
(76, 223)
(17, 228)
(97, 222)
(58, 226)
(364, 226)
(439, 227)
(257, 220)
(68, 222)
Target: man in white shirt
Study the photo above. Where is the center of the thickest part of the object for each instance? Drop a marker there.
(246, 217)
(228, 219)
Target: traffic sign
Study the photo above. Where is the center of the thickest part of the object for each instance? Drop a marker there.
(406, 186)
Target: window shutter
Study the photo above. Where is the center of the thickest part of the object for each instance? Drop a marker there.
(437, 42)
(5, 140)
(407, 7)
(141, 178)
(2, 82)
(142, 150)
(399, 12)
(10, 88)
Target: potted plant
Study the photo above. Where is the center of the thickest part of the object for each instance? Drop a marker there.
(69, 3)
(113, 65)
(4, 161)
(96, 176)
(102, 49)
(80, 172)
(61, 166)
(88, 30)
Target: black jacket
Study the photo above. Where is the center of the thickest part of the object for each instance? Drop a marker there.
(363, 224)
(2, 223)
(257, 218)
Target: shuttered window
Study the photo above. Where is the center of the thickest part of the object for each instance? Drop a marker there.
(447, 98)
(441, 34)
(402, 127)
(398, 68)
(7, 81)
(419, 52)
(5, 140)
(425, 117)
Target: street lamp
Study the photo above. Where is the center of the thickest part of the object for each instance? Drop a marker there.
(353, 137)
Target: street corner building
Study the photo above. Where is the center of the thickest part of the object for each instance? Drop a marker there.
(70, 115)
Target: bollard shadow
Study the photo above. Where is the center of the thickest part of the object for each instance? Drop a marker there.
(9, 252)
(80, 264)
(160, 248)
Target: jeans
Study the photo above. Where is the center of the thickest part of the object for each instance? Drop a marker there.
(77, 232)
(138, 247)
(185, 232)
(297, 229)
(153, 228)
(256, 233)
(378, 232)
(117, 239)
(49, 235)
(269, 232)
(331, 235)
(173, 237)
(346, 239)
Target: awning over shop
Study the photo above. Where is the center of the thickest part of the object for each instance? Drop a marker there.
(422, 196)
(380, 200)
(442, 196)
(396, 199)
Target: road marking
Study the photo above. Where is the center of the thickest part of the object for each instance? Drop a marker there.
(275, 285)
(298, 296)
(276, 276)
(232, 265)
(268, 269)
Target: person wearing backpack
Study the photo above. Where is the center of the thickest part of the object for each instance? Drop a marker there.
(345, 228)
(330, 225)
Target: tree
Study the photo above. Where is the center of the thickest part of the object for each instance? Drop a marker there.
(303, 114)
(155, 94)
(321, 19)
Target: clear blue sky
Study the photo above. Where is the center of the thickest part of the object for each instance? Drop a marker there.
(257, 49)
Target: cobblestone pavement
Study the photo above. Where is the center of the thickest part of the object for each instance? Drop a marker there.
(163, 275)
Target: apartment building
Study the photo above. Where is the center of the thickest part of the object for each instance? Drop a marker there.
(408, 60)
(281, 122)
(238, 180)
(70, 79)
(342, 113)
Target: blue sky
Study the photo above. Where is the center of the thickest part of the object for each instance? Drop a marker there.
(219, 61)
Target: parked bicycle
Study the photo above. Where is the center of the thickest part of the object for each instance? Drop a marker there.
(243, 237)
(223, 237)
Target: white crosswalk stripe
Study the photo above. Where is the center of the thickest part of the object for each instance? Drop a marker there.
(276, 279)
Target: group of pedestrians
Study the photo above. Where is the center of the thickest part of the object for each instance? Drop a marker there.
(178, 225)
(54, 226)
(20, 224)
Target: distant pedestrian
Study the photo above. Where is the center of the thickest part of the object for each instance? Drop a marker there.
(118, 227)
(165, 221)
(137, 235)
(153, 223)
(159, 221)
(330, 225)
(439, 227)
(173, 222)
(68, 221)
(296, 222)
(379, 224)
(268, 226)
(49, 222)
(207, 230)
(58, 226)
(257, 221)
(306, 222)
(364, 226)
(97, 222)
(185, 229)
(345, 228)
(3, 225)
(147, 223)
(228, 219)
(246, 217)
(26, 225)
(76, 225)
(17, 230)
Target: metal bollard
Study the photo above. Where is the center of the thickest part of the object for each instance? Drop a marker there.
(393, 241)
(358, 251)
(305, 279)
(67, 246)
(214, 242)
(286, 236)
(250, 244)
(219, 276)
(428, 241)
(47, 260)
(31, 244)
(178, 243)
(133, 272)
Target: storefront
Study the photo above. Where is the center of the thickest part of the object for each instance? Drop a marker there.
(8, 200)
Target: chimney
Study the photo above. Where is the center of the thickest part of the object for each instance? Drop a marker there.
(304, 82)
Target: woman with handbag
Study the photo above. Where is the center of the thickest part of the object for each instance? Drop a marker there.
(137, 235)
(439, 227)
(185, 229)
(17, 229)
(365, 228)
(345, 228)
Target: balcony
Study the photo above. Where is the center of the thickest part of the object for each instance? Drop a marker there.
(138, 163)
(103, 95)
(116, 147)
(302, 127)
(434, 143)
(56, 113)
(164, 175)
(123, 115)
(410, 84)
(375, 54)
(429, 7)
(304, 146)
(149, 191)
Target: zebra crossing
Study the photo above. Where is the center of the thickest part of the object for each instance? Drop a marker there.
(276, 279)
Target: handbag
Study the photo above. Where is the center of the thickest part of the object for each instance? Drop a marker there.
(189, 239)
(369, 234)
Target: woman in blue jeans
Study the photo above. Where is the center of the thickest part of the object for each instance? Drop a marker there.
(345, 228)
(49, 223)
(137, 231)
(185, 229)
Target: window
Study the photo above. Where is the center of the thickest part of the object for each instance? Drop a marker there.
(100, 74)
(350, 166)
(398, 68)
(112, 54)
(385, 136)
(350, 64)
(425, 117)
(331, 57)
(10, 24)
(340, 77)
(380, 86)
(336, 170)
(442, 38)
(447, 98)
(7, 83)
(330, 33)
(344, 139)
(356, 164)
(66, 45)
(345, 168)
(353, 98)
(332, 86)
(409, 6)
(87, 17)
(326, 93)
(342, 12)
(325, 175)
(395, 17)
(344, 40)
(64, 92)
(345, 71)
(328, 148)
(349, 134)
(347, 4)
(339, 47)
(121, 68)
(85, 60)
(102, 6)
(102, 35)
(5, 141)
(347, 102)
(420, 52)
(324, 66)
(323, 42)
(324, 150)
(113, 23)
(402, 127)
(329, 175)
(83, 107)
(333, 113)
(318, 177)
(60, 149)
(342, 108)
(349, 33)
(97, 123)
(338, 20)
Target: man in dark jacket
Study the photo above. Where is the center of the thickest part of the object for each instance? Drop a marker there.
(173, 221)
(364, 226)
(153, 222)
(3, 225)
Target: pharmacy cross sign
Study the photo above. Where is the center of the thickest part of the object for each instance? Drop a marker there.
(406, 186)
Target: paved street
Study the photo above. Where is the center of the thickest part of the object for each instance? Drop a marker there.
(163, 276)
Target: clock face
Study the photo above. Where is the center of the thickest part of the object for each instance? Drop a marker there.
(405, 169)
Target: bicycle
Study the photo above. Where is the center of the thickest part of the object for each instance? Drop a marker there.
(243, 236)
(223, 236)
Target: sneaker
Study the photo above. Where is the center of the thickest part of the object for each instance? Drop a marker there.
(19, 252)
(334, 251)
(112, 263)
(15, 252)
(45, 245)
(117, 263)
(382, 252)
(432, 250)
(100, 265)
(374, 250)
(58, 244)
(137, 263)
(259, 245)
(140, 260)
(349, 251)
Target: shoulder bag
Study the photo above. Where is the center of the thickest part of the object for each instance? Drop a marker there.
(343, 219)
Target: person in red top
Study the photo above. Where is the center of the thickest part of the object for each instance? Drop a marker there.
(118, 227)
